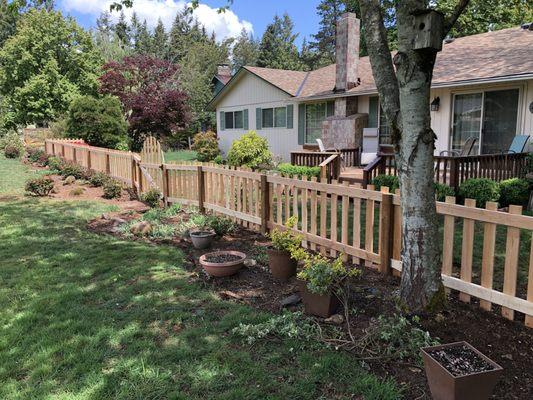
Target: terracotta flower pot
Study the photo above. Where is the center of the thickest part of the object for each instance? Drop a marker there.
(222, 268)
(282, 266)
(445, 385)
(321, 305)
(202, 239)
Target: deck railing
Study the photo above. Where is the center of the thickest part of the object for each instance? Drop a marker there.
(332, 160)
(453, 171)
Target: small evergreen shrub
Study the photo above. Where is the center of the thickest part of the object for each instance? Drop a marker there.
(514, 191)
(77, 191)
(481, 190)
(206, 146)
(251, 150)
(41, 186)
(11, 151)
(112, 189)
(219, 160)
(390, 181)
(72, 169)
(12, 139)
(442, 190)
(55, 163)
(98, 179)
(36, 155)
(299, 171)
(152, 197)
(220, 225)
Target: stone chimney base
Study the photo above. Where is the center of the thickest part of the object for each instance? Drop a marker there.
(344, 132)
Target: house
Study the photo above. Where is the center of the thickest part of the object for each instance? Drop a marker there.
(482, 87)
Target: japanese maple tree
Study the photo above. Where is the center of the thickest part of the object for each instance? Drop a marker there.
(149, 90)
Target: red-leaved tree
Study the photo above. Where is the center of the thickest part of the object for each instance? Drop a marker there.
(148, 88)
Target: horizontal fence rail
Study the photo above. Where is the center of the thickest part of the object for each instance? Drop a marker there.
(486, 253)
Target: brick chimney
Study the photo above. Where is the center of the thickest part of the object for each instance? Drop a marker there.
(347, 52)
(223, 70)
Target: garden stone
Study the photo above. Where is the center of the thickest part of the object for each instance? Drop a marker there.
(69, 180)
(291, 300)
(335, 319)
(141, 228)
(250, 262)
(118, 221)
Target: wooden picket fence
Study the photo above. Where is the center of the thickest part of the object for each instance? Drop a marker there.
(363, 225)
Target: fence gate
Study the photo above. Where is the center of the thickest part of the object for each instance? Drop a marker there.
(152, 159)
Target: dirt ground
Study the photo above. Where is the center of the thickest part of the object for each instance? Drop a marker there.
(508, 343)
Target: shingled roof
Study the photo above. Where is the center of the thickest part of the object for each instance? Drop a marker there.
(498, 55)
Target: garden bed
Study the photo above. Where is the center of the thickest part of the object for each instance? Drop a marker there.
(508, 343)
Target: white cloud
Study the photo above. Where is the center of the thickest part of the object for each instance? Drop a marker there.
(226, 24)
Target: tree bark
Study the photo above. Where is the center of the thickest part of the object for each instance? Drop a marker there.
(405, 99)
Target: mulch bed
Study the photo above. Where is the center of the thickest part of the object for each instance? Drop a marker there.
(508, 343)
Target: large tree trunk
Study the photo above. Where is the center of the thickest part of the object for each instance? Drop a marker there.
(405, 98)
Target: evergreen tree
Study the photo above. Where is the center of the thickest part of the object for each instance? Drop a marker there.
(277, 48)
(106, 40)
(122, 30)
(324, 41)
(178, 34)
(308, 57)
(245, 51)
(160, 41)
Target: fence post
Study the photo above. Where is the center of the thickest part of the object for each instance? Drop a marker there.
(386, 233)
(265, 205)
(133, 172)
(201, 188)
(89, 158)
(74, 157)
(107, 164)
(165, 183)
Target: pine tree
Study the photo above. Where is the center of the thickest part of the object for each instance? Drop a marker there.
(308, 57)
(277, 48)
(122, 30)
(106, 40)
(245, 51)
(324, 40)
(178, 35)
(160, 41)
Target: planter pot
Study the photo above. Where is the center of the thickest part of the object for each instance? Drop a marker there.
(282, 266)
(445, 385)
(202, 239)
(222, 263)
(321, 305)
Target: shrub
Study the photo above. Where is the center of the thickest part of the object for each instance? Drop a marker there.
(442, 190)
(98, 121)
(206, 146)
(152, 197)
(390, 181)
(220, 225)
(58, 128)
(35, 154)
(11, 151)
(77, 191)
(55, 163)
(219, 160)
(287, 240)
(112, 189)
(251, 150)
(98, 179)
(290, 170)
(41, 186)
(480, 189)
(514, 191)
(70, 168)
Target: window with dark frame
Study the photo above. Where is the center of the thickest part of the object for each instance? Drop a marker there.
(228, 116)
(234, 119)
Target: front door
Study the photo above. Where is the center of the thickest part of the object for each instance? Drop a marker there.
(489, 116)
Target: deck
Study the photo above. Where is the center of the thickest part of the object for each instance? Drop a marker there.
(351, 175)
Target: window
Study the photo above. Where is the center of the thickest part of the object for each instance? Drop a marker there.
(235, 120)
(280, 117)
(268, 118)
(315, 114)
(377, 119)
(274, 117)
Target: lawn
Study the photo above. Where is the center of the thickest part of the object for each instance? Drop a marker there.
(181, 155)
(88, 316)
(13, 174)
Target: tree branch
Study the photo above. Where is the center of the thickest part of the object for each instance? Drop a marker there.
(381, 62)
(452, 19)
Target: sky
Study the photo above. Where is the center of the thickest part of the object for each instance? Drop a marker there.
(253, 15)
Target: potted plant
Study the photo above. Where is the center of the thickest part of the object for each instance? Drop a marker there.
(458, 371)
(222, 263)
(202, 238)
(320, 281)
(282, 258)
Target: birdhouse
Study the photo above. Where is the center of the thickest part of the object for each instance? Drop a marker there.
(429, 25)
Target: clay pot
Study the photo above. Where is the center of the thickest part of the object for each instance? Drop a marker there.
(220, 269)
(202, 239)
(321, 305)
(282, 266)
(445, 386)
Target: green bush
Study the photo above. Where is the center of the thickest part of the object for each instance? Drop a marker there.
(11, 151)
(98, 179)
(55, 163)
(35, 154)
(220, 225)
(442, 190)
(206, 146)
(12, 139)
(390, 181)
(98, 121)
(112, 189)
(70, 168)
(480, 189)
(41, 186)
(514, 191)
(152, 197)
(290, 170)
(251, 150)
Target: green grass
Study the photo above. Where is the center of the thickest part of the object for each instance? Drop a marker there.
(88, 316)
(13, 175)
(182, 155)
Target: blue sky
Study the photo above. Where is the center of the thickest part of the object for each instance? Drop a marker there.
(250, 14)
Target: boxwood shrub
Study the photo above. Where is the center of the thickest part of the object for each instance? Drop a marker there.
(514, 191)
(41, 186)
(481, 190)
(442, 190)
(287, 169)
(390, 181)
